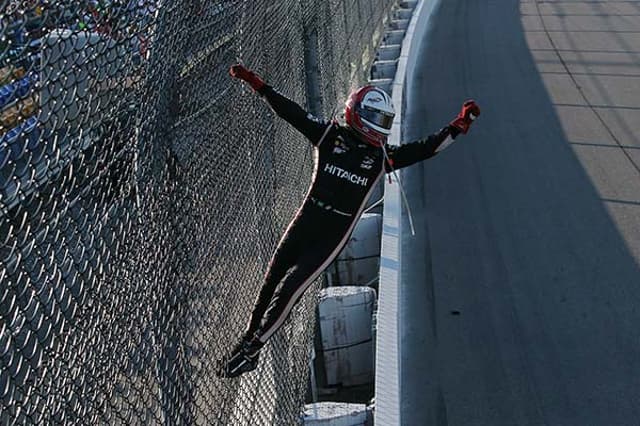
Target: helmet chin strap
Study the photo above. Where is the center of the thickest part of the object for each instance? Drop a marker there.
(404, 196)
(366, 138)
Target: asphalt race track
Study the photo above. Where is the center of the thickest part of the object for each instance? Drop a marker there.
(521, 291)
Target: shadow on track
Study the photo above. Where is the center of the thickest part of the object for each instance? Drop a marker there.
(520, 302)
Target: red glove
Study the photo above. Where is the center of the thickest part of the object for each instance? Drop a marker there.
(470, 111)
(254, 80)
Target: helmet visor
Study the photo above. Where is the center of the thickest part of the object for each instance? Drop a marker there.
(376, 117)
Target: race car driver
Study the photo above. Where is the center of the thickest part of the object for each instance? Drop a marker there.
(348, 161)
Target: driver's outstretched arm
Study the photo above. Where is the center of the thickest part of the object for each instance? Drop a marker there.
(284, 107)
(413, 152)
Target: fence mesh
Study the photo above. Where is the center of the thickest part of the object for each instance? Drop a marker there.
(141, 195)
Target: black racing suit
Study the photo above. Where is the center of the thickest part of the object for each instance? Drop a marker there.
(346, 169)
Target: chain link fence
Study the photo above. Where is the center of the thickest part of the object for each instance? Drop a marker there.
(142, 193)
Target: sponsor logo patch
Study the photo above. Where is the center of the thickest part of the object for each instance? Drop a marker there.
(340, 147)
(367, 163)
(345, 174)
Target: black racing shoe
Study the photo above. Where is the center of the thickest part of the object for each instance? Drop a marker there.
(243, 358)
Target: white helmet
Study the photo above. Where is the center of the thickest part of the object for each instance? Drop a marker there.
(369, 111)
